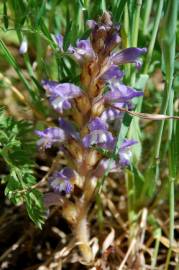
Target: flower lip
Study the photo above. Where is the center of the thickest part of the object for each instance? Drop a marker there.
(110, 114)
(59, 39)
(50, 136)
(60, 181)
(83, 51)
(54, 88)
(97, 124)
(129, 55)
(61, 93)
(101, 138)
(113, 73)
(121, 93)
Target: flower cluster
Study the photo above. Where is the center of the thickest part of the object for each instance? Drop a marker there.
(86, 115)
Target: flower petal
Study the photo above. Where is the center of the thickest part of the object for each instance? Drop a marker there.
(50, 136)
(101, 138)
(60, 94)
(82, 52)
(59, 40)
(125, 153)
(111, 114)
(121, 93)
(113, 73)
(60, 181)
(97, 124)
(129, 55)
(54, 88)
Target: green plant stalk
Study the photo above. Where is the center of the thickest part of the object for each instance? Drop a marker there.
(132, 216)
(154, 35)
(168, 52)
(148, 59)
(156, 249)
(168, 44)
(167, 39)
(168, 259)
(126, 39)
(135, 33)
(136, 18)
(172, 178)
(146, 16)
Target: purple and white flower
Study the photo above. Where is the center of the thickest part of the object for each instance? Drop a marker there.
(82, 52)
(50, 136)
(129, 55)
(60, 94)
(113, 73)
(120, 93)
(99, 135)
(60, 181)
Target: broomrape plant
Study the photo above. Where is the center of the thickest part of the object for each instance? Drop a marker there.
(88, 122)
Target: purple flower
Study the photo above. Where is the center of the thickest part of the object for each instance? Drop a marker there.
(112, 114)
(99, 135)
(116, 165)
(91, 24)
(97, 124)
(59, 40)
(112, 74)
(129, 55)
(60, 181)
(101, 138)
(23, 47)
(125, 153)
(83, 51)
(50, 136)
(61, 94)
(121, 93)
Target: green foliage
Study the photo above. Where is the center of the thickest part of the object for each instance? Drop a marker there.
(17, 148)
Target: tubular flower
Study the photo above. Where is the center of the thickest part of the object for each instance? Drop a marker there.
(60, 181)
(60, 95)
(50, 136)
(83, 51)
(99, 135)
